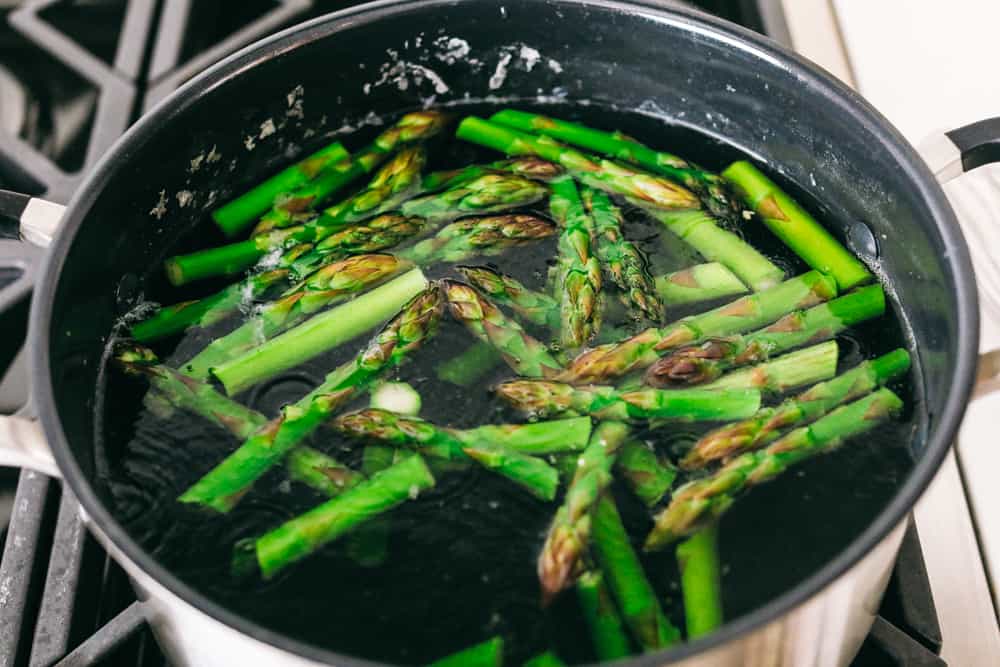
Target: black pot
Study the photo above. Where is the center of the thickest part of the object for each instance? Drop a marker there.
(691, 70)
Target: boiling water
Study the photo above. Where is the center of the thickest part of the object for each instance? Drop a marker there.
(460, 560)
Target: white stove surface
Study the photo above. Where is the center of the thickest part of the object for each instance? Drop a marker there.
(931, 66)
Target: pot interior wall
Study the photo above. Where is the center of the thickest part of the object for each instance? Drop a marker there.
(223, 137)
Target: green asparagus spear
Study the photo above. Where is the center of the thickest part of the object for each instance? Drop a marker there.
(799, 230)
(243, 210)
(174, 319)
(318, 334)
(223, 486)
(321, 472)
(410, 128)
(490, 235)
(712, 190)
(596, 172)
(744, 314)
(334, 283)
(649, 478)
(503, 449)
(702, 363)
(789, 371)
(401, 174)
(702, 282)
(546, 437)
(606, 629)
(699, 503)
(569, 534)
(545, 398)
(382, 232)
(578, 273)
(305, 534)
(716, 244)
(627, 580)
(535, 307)
(181, 391)
(492, 193)
(767, 425)
(620, 258)
(698, 561)
(487, 654)
(547, 659)
(527, 166)
(470, 365)
(524, 354)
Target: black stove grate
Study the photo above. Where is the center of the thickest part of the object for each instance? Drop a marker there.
(63, 600)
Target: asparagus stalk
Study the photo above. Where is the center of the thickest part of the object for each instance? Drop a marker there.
(648, 477)
(744, 314)
(787, 372)
(321, 472)
(334, 283)
(698, 561)
(487, 654)
(379, 233)
(535, 307)
(399, 175)
(491, 235)
(470, 365)
(238, 213)
(174, 319)
(318, 334)
(492, 193)
(796, 228)
(223, 486)
(533, 474)
(767, 425)
(547, 659)
(305, 534)
(496, 448)
(543, 398)
(410, 128)
(187, 393)
(620, 258)
(699, 503)
(713, 191)
(309, 466)
(606, 629)
(702, 363)
(547, 437)
(596, 172)
(368, 546)
(716, 244)
(578, 273)
(627, 580)
(527, 166)
(524, 354)
(569, 534)
(702, 282)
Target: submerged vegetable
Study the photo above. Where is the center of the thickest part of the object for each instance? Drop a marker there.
(506, 439)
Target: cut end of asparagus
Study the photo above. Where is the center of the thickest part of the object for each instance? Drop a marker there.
(175, 274)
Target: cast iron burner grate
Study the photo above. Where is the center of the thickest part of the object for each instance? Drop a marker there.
(65, 601)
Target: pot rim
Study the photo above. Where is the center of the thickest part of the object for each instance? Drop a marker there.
(823, 83)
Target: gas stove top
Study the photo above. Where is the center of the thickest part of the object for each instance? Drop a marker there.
(73, 77)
